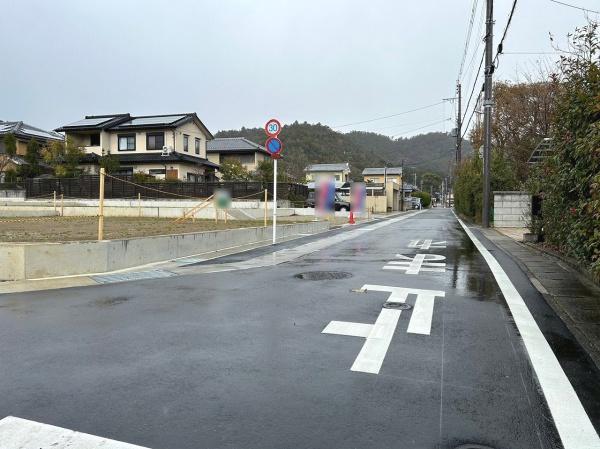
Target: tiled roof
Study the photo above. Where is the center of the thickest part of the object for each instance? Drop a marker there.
(233, 145)
(21, 129)
(328, 167)
(381, 171)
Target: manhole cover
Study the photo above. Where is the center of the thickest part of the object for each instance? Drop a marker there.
(323, 275)
(397, 305)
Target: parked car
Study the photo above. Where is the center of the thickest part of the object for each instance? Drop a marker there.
(340, 204)
(416, 203)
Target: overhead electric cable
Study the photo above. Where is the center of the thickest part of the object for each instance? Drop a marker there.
(388, 116)
(421, 127)
(501, 44)
(468, 37)
(576, 7)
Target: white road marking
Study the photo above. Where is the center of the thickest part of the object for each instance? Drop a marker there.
(17, 433)
(426, 244)
(379, 335)
(422, 314)
(421, 262)
(572, 422)
(370, 358)
(288, 254)
(348, 328)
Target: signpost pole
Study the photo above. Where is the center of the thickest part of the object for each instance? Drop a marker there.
(274, 200)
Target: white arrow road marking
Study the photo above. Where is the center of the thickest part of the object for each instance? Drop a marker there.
(421, 262)
(426, 244)
(379, 335)
(17, 433)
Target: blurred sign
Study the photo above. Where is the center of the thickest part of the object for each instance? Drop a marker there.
(222, 199)
(325, 196)
(358, 197)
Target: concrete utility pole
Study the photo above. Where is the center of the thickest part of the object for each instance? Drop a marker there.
(402, 186)
(487, 110)
(459, 124)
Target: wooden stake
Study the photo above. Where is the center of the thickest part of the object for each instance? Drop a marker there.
(139, 204)
(62, 205)
(55, 201)
(101, 207)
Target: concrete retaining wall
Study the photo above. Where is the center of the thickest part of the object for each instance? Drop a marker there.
(38, 260)
(12, 195)
(511, 209)
(133, 208)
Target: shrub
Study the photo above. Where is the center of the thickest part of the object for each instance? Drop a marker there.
(425, 198)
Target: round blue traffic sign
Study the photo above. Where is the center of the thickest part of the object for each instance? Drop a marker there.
(274, 145)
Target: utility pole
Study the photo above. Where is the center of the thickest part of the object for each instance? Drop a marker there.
(487, 110)
(415, 183)
(402, 187)
(459, 124)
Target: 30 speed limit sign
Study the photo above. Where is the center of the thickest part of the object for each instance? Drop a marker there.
(273, 128)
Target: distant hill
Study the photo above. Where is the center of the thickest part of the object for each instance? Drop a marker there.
(315, 143)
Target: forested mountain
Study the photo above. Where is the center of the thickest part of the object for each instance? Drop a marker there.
(306, 144)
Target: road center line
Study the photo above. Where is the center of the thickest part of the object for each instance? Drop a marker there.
(572, 422)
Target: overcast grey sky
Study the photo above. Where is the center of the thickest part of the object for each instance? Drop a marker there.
(239, 62)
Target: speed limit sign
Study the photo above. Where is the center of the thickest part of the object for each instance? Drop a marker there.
(273, 127)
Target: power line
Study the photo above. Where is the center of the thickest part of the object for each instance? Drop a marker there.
(474, 86)
(471, 117)
(468, 37)
(388, 116)
(530, 52)
(576, 7)
(421, 127)
(501, 44)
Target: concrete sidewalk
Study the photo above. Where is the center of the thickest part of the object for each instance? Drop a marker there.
(574, 298)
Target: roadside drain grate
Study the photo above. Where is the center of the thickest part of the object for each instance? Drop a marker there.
(397, 306)
(322, 275)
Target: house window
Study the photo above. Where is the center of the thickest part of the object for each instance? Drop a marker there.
(127, 142)
(155, 141)
(186, 143)
(124, 171)
(197, 146)
(156, 171)
(95, 140)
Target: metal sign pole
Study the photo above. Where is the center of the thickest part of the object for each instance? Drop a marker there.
(274, 200)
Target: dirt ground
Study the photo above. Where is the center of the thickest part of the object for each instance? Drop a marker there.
(63, 229)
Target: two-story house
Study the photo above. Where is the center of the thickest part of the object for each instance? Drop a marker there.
(339, 172)
(165, 146)
(23, 134)
(379, 175)
(249, 153)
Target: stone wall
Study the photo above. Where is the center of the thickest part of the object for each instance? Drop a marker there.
(511, 209)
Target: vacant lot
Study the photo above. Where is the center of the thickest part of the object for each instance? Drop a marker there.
(63, 229)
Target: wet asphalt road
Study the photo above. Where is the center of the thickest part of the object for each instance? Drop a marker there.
(238, 359)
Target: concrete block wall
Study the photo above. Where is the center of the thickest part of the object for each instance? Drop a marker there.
(39, 260)
(511, 209)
